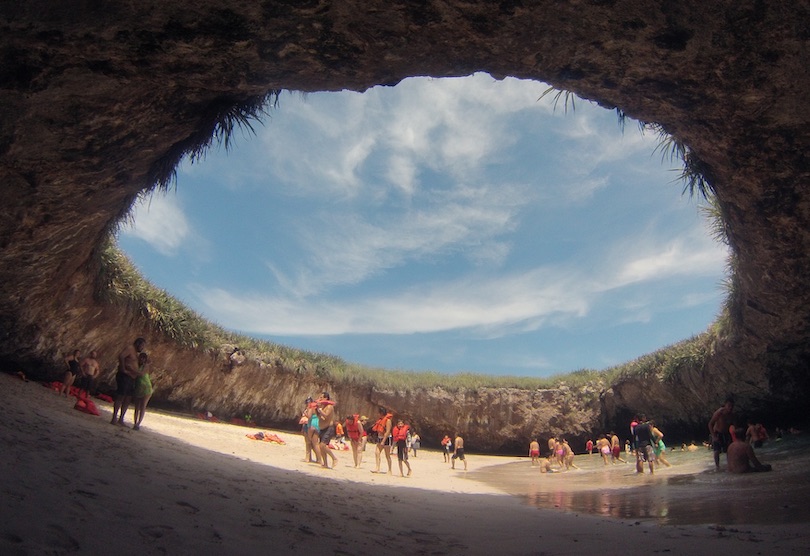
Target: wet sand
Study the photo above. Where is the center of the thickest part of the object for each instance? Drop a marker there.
(689, 492)
(73, 483)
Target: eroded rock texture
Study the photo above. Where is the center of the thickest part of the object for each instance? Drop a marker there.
(100, 99)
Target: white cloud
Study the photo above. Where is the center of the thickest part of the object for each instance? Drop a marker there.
(159, 220)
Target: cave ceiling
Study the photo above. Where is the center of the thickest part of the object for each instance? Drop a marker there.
(99, 100)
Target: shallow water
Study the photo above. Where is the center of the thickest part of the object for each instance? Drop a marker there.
(689, 492)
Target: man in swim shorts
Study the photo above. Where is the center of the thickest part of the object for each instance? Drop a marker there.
(458, 452)
(719, 425)
(644, 445)
(534, 451)
(326, 416)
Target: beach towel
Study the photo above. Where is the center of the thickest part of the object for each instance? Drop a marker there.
(104, 398)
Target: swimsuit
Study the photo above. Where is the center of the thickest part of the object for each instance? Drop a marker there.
(606, 450)
(535, 453)
(73, 367)
(143, 386)
(125, 384)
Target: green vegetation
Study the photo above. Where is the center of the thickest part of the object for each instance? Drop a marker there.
(121, 284)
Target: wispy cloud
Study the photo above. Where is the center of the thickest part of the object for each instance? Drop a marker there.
(159, 220)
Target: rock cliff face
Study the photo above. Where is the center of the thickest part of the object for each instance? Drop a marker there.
(98, 101)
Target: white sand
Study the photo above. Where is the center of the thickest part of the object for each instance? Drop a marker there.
(73, 483)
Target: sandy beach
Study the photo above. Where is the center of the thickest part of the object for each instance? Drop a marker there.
(74, 483)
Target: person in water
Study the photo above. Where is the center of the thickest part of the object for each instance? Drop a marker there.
(741, 458)
(719, 425)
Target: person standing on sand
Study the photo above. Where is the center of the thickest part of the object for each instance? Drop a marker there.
(125, 379)
(73, 370)
(446, 445)
(143, 390)
(90, 373)
(304, 422)
(416, 443)
(644, 448)
(400, 435)
(355, 432)
(589, 447)
(741, 458)
(719, 425)
(458, 452)
(534, 452)
(383, 428)
(326, 416)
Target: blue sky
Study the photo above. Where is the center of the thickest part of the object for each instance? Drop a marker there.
(452, 225)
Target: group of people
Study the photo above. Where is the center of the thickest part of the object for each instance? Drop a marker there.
(320, 426)
(737, 443)
(133, 384)
(83, 373)
(132, 379)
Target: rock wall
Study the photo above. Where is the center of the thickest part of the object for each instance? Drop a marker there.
(99, 100)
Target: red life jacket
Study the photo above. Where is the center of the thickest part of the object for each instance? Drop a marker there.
(400, 433)
(353, 428)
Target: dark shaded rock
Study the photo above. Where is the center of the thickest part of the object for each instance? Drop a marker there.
(98, 101)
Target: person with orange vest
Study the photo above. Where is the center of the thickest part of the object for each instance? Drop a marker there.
(355, 431)
(400, 434)
(383, 429)
(447, 445)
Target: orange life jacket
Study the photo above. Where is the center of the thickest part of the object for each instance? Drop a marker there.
(379, 426)
(400, 433)
(353, 428)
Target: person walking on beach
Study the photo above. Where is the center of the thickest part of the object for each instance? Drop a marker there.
(125, 379)
(143, 390)
(589, 447)
(326, 416)
(71, 372)
(719, 425)
(458, 452)
(90, 373)
(354, 430)
(400, 435)
(534, 452)
(447, 445)
(383, 428)
(644, 447)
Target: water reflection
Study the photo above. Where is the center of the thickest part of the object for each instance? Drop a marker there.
(690, 492)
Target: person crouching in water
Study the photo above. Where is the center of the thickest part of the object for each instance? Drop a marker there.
(400, 434)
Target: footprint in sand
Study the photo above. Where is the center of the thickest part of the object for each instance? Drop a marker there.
(188, 507)
(155, 532)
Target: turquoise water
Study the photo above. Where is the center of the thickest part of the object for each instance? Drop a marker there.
(689, 492)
